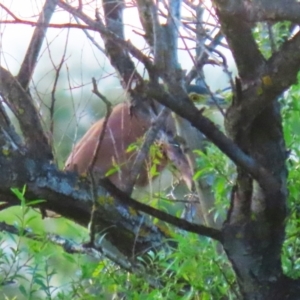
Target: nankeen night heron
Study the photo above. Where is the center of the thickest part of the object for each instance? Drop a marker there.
(125, 127)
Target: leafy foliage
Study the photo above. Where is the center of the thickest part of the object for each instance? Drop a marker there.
(291, 122)
(40, 270)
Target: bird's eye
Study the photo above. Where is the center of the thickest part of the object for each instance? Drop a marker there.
(197, 98)
(193, 97)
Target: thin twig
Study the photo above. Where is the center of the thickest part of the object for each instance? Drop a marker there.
(107, 115)
(53, 92)
(93, 222)
(68, 245)
(86, 32)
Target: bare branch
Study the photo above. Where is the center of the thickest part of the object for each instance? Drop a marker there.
(88, 35)
(30, 59)
(53, 91)
(166, 44)
(120, 60)
(116, 41)
(148, 17)
(180, 223)
(107, 115)
(58, 26)
(95, 26)
(93, 221)
(10, 13)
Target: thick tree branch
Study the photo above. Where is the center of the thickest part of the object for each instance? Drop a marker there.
(22, 106)
(187, 110)
(240, 39)
(278, 74)
(120, 60)
(72, 198)
(30, 59)
(264, 10)
(148, 17)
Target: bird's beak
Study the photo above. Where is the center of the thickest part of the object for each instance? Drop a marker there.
(216, 101)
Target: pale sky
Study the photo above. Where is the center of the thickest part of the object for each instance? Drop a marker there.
(15, 38)
(82, 60)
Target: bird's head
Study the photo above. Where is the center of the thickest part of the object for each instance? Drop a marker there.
(201, 96)
(210, 104)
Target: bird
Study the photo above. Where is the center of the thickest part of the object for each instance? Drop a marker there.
(125, 127)
(211, 105)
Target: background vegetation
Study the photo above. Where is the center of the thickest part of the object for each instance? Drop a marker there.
(46, 258)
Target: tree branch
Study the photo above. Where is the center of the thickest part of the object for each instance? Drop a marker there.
(11, 139)
(109, 35)
(30, 59)
(264, 10)
(148, 17)
(278, 74)
(71, 197)
(240, 39)
(68, 245)
(185, 109)
(22, 106)
(178, 222)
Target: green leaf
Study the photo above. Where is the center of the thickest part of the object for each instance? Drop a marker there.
(23, 291)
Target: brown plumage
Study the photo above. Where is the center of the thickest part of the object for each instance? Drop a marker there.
(125, 126)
